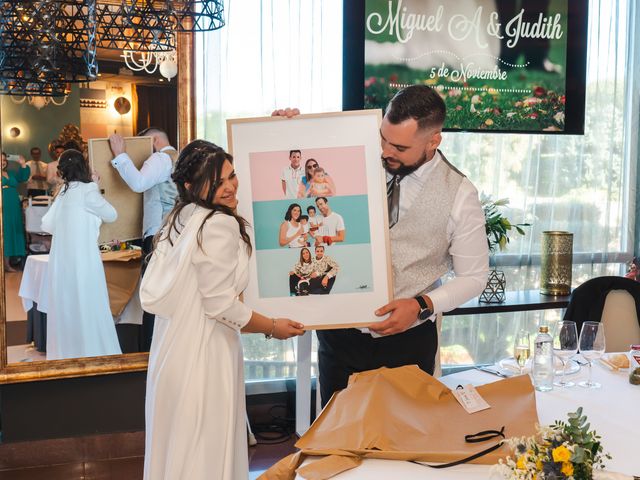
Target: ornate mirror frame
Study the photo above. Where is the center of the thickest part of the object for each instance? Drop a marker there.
(80, 367)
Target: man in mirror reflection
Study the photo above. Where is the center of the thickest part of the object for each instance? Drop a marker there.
(37, 183)
(153, 180)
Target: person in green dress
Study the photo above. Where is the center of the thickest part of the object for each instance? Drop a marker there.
(12, 223)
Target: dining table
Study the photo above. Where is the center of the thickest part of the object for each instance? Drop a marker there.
(612, 410)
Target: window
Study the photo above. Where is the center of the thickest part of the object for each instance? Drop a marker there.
(277, 54)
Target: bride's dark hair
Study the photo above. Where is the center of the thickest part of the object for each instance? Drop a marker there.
(73, 167)
(200, 165)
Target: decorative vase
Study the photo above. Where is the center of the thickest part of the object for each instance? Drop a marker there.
(556, 263)
(494, 291)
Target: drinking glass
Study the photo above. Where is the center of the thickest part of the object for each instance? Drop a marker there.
(565, 346)
(592, 346)
(521, 349)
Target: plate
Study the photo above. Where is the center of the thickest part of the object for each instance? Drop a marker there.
(608, 356)
(511, 365)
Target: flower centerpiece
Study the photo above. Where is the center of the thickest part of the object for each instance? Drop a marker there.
(498, 228)
(564, 450)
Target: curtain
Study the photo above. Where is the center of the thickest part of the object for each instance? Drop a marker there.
(270, 54)
(153, 113)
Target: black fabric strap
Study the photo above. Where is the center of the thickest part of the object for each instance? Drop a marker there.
(473, 438)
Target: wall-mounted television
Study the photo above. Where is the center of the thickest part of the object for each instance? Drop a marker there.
(500, 65)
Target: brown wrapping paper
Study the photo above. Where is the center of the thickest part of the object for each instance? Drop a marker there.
(122, 271)
(406, 414)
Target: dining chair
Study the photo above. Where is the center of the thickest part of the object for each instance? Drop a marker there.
(615, 301)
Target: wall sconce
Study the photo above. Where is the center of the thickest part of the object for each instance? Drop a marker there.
(14, 132)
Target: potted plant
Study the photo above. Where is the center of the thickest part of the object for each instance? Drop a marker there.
(498, 228)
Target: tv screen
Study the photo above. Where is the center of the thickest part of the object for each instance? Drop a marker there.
(500, 65)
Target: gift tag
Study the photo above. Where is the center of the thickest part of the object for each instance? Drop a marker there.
(470, 399)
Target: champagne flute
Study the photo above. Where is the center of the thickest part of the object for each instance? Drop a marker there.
(521, 349)
(565, 346)
(592, 346)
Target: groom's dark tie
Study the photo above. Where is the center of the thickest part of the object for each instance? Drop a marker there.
(393, 199)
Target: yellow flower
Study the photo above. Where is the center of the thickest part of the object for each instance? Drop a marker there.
(539, 465)
(561, 454)
(488, 121)
(567, 468)
(520, 465)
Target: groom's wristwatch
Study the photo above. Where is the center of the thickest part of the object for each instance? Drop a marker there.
(425, 311)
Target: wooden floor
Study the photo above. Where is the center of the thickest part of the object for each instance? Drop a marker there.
(102, 457)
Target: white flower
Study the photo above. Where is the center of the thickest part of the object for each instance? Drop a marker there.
(559, 117)
(475, 99)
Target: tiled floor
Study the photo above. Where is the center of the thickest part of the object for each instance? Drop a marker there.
(102, 457)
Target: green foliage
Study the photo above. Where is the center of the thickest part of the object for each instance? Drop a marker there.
(565, 450)
(498, 227)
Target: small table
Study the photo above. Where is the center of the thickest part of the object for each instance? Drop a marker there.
(35, 296)
(515, 301)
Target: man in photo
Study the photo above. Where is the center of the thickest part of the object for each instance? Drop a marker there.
(332, 229)
(292, 175)
(159, 194)
(325, 270)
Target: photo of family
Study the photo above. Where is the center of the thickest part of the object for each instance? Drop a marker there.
(313, 274)
(299, 230)
(303, 200)
(314, 200)
(308, 173)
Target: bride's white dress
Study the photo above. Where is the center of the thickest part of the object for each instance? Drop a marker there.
(195, 405)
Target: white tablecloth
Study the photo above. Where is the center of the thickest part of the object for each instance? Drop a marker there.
(613, 410)
(33, 288)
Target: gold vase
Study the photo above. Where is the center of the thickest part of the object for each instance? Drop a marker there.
(556, 263)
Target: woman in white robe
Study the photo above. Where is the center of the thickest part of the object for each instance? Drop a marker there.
(195, 405)
(79, 320)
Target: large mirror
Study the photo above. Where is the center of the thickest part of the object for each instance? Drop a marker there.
(32, 129)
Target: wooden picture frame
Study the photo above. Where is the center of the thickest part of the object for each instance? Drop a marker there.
(346, 203)
(80, 367)
(127, 202)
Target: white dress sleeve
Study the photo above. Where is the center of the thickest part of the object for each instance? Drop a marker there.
(49, 219)
(215, 264)
(95, 203)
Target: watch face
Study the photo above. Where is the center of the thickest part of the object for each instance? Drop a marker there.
(424, 314)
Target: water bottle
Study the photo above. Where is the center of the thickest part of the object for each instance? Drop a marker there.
(543, 369)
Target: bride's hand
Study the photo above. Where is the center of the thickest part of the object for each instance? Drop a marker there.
(285, 328)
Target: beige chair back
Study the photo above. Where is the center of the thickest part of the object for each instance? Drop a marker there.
(620, 321)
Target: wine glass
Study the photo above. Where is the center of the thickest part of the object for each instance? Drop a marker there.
(521, 349)
(592, 346)
(565, 346)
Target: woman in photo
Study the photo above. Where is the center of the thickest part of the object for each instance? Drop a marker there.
(195, 405)
(12, 224)
(292, 232)
(79, 320)
(305, 183)
(301, 274)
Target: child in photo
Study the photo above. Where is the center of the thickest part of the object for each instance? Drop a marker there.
(304, 223)
(320, 186)
(315, 221)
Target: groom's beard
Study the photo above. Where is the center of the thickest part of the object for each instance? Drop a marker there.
(404, 170)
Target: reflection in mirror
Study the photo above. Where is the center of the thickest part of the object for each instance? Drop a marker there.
(39, 284)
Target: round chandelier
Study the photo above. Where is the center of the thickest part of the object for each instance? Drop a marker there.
(129, 26)
(46, 44)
